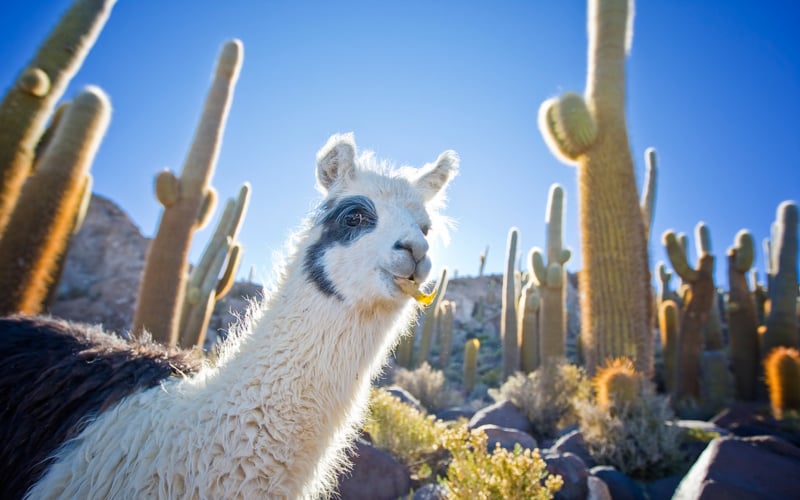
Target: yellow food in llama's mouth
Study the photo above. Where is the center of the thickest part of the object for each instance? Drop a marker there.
(411, 288)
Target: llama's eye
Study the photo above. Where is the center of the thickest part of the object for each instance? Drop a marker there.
(355, 219)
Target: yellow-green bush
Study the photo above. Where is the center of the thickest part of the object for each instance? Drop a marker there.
(428, 386)
(547, 396)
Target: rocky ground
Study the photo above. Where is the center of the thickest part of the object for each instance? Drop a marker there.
(753, 457)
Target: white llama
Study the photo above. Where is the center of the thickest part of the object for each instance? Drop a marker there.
(272, 419)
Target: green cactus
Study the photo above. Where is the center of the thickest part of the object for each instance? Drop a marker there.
(188, 202)
(508, 317)
(716, 382)
(203, 288)
(742, 319)
(782, 367)
(528, 325)
(617, 384)
(648, 202)
(429, 321)
(694, 316)
(447, 310)
(665, 291)
(471, 349)
(29, 103)
(669, 325)
(405, 349)
(591, 133)
(781, 321)
(551, 277)
(713, 329)
(49, 205)
(484, 255)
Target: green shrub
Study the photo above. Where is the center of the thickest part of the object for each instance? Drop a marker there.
(428, 386)
(547, 396)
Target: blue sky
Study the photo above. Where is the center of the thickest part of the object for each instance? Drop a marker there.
(714, 86)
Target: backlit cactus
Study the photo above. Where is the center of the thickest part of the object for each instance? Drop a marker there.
(669, 325)
(742, 320)
(205, 285)
(29, 103)
(471, 349)
(782, 367)
(49, 206)
(617, 384)
(528, 325)
(188, 202)
(694, 315)
(590, 131)
(781, 322)
(508, 318)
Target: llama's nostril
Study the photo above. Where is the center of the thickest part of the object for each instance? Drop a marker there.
(417, 250)
(401, 245)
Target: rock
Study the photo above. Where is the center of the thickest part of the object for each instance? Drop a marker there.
(747, 419)
(621, 486)
(572, 469)
(598, 490)
(573, 442)
(662, 489)
(507, 438)
(742, 468)
(431, 492)
(453, 414)
(375, 475)
(406, 397)
(502, 414)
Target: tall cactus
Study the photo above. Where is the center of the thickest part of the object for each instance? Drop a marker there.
(781, 321)
(429, 321)
(49, 205)
(694, 316)
(742, 320)
(669, 325)
(590, 131)
(204, 287)
(665, 290)
(447, 311)
(551, 277)
(188, 202)
(470, 373)
(508, 317)
(648, 202)
(29, 103)
(528, 324)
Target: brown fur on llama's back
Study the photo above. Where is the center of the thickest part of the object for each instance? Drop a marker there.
(55, 377)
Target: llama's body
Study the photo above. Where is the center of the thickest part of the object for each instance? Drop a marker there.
(272, 418)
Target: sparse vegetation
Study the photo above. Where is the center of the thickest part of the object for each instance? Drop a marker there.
(428, 385)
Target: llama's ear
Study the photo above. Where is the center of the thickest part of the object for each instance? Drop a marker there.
(433, 177)
(336, 161)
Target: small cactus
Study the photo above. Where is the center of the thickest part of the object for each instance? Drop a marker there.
(782, 367)
(668, 321)
(471, 349)
(617, 384)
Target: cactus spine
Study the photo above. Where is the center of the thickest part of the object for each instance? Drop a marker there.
(551, 277)
(528, 324)
(49, 205)
(429, 321)
(471, 349)
(742, 321)
(187, 201)
(204, 288)
(28, 104)
(508, 318)
(668, 325)
(697, 306)
(591, 133)
(783, 379)
(781, 322)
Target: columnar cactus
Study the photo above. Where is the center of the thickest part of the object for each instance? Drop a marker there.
(742, 320)
(528, 325)
(716, 386)
(694, 316)
(429, 321)
(29, 103)
(617, 384)
(188, 202)
(49, 205)
(484, 255)
(590, 132)
(648, 202)
(782, 367)
(669, 325)
(781, 321)
(471, 349)
(447, 310)
(508, 318)
(665, 290)
(551, 277)
(204, 287)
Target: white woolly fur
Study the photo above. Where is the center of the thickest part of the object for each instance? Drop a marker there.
(273, 418)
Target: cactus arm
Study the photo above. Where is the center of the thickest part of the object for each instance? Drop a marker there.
(28, 104)
(163, 285)
(228, 277)
(167, 188)
(38, 231)
(568, 127)
(677, 257)
(648, 202)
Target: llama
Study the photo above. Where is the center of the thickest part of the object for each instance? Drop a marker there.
(272, 418)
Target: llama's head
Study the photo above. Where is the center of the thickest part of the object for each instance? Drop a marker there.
(368, 243)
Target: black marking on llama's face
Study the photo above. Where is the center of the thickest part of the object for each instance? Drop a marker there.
(342, 222)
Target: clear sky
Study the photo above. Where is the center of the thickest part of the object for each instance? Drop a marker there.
(714, 86)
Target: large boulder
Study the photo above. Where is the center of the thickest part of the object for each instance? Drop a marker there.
(507, 438)
(572, 469)
(744, 468)
(375, 475)
(501, 414)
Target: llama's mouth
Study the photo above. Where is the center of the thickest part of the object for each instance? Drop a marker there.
(411, 288)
